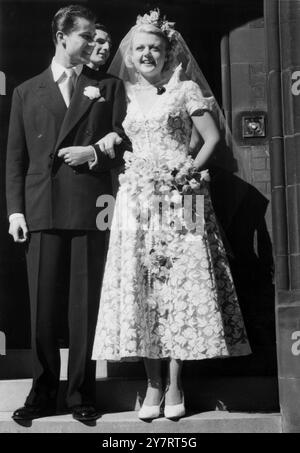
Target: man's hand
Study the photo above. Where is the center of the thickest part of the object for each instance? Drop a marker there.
(108, 142)
(18, 229)
(77, 155)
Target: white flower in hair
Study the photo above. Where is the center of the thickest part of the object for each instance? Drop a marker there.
(153, 18)
(92, 92)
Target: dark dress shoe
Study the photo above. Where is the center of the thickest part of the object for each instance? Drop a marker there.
(32, 412)
(85, 413)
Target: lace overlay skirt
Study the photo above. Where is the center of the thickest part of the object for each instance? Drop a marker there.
(181, 304)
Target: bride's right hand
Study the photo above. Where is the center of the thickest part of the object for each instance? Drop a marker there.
(108, 142)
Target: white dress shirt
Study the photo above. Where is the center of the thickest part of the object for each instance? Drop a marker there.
(60, 76)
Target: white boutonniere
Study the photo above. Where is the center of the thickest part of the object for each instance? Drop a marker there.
(92, 92)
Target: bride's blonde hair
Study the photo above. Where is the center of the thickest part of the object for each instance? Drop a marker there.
(151, 29)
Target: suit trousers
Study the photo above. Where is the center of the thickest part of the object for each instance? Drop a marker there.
(80, 255)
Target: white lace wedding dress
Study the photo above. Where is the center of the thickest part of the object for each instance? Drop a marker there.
(165, 294)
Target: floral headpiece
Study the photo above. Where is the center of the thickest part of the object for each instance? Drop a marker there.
(153, 18)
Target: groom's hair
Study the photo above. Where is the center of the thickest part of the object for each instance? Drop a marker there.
(65, 19)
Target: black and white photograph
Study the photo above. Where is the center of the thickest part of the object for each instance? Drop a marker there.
(149, 219)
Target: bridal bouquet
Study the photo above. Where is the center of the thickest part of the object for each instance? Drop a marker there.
(146, 175)
(165, 199)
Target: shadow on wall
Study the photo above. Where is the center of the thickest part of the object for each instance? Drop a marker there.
(241, 210)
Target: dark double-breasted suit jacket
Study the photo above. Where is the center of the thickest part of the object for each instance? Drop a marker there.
(39, 184)
(59, 204)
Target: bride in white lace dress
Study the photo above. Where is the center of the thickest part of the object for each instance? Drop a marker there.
(167, 293)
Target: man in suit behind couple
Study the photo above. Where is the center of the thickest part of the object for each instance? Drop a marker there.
(51, 200)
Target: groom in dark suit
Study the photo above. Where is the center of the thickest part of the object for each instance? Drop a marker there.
(51, 199)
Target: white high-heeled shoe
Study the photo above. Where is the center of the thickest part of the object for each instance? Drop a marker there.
(149, 412)
(174, 411)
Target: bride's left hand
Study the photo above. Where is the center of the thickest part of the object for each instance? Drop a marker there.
(77, 155)
(108, 143)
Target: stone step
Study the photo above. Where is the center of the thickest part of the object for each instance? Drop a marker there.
(17, 364)
(251, 394)
(128, 422)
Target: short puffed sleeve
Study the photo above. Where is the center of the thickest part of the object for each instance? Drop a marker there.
(194, 99)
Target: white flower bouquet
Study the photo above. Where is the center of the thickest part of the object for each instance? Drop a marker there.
(159, 188)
